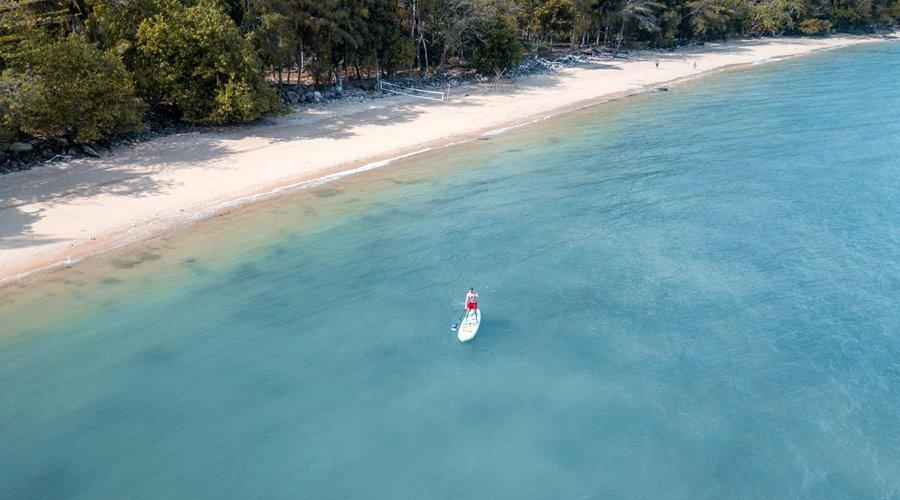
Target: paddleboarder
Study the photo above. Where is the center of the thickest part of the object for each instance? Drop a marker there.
(471, 312)
(471, 318)
(471, 300)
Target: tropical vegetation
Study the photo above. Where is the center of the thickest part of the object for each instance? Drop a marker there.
(89, 69)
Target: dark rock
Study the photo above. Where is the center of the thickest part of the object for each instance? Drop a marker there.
(292, 97)
(663, 89)
(20, 147)
(90, 151)
(57, 144)
(71, 152)
(47, 153)
(317, 96)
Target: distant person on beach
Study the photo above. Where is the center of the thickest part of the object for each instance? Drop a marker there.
(657, 63)
(695, 64)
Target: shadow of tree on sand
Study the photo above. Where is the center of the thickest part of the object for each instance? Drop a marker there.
(24, 196)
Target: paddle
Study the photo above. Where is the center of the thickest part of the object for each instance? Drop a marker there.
(463, 315)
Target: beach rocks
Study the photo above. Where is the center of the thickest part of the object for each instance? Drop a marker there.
(20, 147)
(291, 97)
(28, 152)
(551, 63)
(317, 96)
(12, 166)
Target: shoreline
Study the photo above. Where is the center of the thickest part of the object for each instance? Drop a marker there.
(58, 188)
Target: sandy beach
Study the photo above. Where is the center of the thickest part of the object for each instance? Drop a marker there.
(58, 214)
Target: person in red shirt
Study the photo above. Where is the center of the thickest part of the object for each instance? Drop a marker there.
(471, 300)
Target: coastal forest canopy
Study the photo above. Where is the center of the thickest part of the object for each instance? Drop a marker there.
(84, 70)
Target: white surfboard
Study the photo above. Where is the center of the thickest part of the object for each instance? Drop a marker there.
(469, 326)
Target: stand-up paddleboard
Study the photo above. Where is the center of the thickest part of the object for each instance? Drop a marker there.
(469, 325)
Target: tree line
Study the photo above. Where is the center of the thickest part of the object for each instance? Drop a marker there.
(88, 69)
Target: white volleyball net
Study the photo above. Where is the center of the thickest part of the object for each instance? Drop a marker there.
(430, 95)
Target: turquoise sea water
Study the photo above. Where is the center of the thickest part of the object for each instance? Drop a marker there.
(686, 294)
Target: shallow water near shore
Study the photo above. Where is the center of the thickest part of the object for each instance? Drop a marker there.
(686, 294)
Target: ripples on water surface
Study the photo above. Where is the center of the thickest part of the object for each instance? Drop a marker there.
(690, 294)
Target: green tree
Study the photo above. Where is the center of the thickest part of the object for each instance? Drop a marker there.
(459, 22)
(12, 98)
(398, 53)
(849, 15)
(271, 27)
(197, 61)
(113, 24)
(669, 23)
(70, 87)
(814, 26)
(774, 17)
(710, 18)
(604, 14)
(382, 41)
(555, 18)
(498, 48)
(639, 13)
